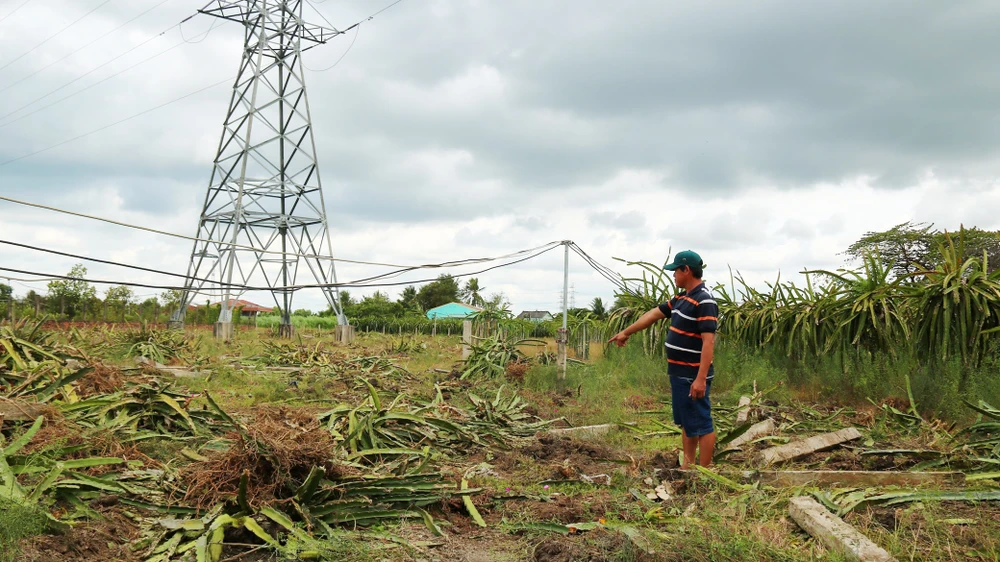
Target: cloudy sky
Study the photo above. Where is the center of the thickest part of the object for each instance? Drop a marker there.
(767, 136)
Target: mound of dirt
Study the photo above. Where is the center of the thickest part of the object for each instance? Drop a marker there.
(559, 448)
(598, 546)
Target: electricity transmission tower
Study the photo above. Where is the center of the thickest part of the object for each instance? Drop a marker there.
(264, 212)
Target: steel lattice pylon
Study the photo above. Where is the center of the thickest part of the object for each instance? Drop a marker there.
(265, 195)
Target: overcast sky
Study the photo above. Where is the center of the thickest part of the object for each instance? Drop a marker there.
(767, 136)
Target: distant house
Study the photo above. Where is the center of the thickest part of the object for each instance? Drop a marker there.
(247, 308)
(452, 310)
(535, 316)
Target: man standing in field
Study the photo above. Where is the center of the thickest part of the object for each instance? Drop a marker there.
(694, 318)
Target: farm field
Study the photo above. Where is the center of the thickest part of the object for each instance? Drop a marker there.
(394, 449)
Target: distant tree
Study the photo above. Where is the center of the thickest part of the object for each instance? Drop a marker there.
(5, 291)
(443, 290)
(597, 307)
(345, 299)
(378, 305)
(908, 247)
(67, 295)
(976, 242)
(120, 295)
(302, 312)
(408, 299)
(472, 293)
(497, 300)
(170, 299)
(912, 247)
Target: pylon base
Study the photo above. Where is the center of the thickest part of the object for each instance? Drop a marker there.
(223, 331)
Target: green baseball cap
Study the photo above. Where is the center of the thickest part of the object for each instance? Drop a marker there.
(688, 258)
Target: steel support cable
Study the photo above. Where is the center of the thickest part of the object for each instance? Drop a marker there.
(391, 274)
(178, 24)
(81, 90)
(349, 284)
(12, 12)
(609, 273)
(119, 122)
(357, 31)
(78, 49)
(252, 248)
(598, 268)
(108, 262)
(54, 35)
(604, 271)
(98, 67)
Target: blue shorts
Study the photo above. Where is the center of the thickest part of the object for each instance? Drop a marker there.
(694, 416)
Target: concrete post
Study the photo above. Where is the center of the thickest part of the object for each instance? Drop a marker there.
(223, 331)
(344, 333)
(466, 339)
(564, 332)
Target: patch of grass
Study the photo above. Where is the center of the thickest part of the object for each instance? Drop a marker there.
(17, 522)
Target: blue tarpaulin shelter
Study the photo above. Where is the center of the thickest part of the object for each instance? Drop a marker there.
(452, 310)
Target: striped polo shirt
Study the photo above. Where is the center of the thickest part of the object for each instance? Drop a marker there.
(691, 315)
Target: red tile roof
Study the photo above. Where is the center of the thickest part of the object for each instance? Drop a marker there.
(247, 306)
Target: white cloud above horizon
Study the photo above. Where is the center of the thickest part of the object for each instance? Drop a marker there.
(455, 129)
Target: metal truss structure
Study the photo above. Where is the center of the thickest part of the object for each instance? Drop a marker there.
(264, 212)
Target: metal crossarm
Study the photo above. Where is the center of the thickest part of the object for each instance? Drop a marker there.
(270, 15)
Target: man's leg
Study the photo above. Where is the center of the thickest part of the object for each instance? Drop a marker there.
(690, 446)
(706, 448)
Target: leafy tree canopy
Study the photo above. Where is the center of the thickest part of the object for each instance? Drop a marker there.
(443, 290)
(597, 307)
(408, 299)
(67, 295)
(119, 295)
(911, 247)
(472, 293)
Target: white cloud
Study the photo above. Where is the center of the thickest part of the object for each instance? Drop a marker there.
(458, 129)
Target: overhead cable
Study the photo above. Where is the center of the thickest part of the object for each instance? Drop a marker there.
(388, 275)
(54, 35)
(349, 284)
(100, 66)
(120, 121)
(82, 47)
(81, 90)
(12, 12)
(357, 31)
(109, 262)
(237, 246)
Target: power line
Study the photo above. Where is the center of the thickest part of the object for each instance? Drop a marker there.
(260, 250)
(54, 35)
(91, 71)
(12, 12)
(189, 238)
(388, 275)
(357, 31)
(349, 284)
(204, 35)
(120, 121)
(108, 262)
(81, 90)
(77, 50)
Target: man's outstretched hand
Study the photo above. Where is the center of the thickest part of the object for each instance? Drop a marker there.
(620, 339)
